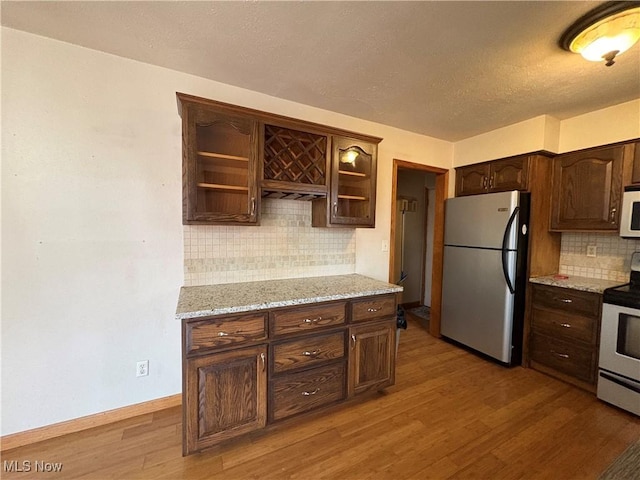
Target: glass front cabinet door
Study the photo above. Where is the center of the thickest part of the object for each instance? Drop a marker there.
(353, 183)
(220, 155)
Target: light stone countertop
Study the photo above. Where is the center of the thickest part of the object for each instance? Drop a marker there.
(584, 284)
(205, 300)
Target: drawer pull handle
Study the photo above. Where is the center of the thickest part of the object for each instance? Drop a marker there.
(263, 362)
(308, 394)
(353, 341)
(311, 354)
(223, 334)
(565, 325)
(373, 310)
(566, 300)
(311, 320)
(561, 355)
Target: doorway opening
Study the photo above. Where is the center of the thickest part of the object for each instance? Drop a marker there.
(417, 239)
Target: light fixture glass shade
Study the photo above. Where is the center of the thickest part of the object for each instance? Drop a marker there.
(615, 34)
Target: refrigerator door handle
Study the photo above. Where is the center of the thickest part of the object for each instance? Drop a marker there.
(505, 239)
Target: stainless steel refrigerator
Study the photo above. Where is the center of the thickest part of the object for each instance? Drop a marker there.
(484, 273)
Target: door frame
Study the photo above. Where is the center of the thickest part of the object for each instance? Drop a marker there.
(442, 189)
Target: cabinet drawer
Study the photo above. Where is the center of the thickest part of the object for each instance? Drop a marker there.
(564, 357)
(555, 323)
(300, 392)
(225, 331)
(307, 352)
(373, 307)
(301, 320)
(568, 300)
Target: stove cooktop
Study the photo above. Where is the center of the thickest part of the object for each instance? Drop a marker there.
(627, 295)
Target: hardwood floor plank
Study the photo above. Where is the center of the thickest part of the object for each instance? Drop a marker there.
(451, 414)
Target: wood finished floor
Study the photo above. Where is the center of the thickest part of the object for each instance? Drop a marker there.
(450, 415)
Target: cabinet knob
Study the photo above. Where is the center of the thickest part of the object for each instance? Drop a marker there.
(561, 355)
(484, 182)
(311, 354)
(491, 180)
(311, 320)
(308, 394)
(262, 357)
(612, 215)
(372, 310)
(353, 341)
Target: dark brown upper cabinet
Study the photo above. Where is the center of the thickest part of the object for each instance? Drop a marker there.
(352, 195)
(233, 156)
(635, 174)
(587, 189)
(490, 177)
(220, 164)
(295, 163)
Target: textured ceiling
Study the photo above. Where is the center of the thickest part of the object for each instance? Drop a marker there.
(450, 70)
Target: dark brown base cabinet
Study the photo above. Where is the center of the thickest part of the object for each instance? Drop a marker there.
(225, 396)
(565, 329)
(242, 372)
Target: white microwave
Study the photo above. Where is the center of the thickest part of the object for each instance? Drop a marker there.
(630, 214)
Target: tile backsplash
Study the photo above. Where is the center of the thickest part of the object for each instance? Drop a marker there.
(612, 260)
(283, 246)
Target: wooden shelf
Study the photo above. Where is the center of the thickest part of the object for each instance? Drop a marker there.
(351, 197)
(225, 188)
(353, 174)
(222, 156)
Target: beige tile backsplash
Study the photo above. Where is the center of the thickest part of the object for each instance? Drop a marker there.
(612, 261)
(283, 246)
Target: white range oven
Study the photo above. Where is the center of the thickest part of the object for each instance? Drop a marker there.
(619, 364)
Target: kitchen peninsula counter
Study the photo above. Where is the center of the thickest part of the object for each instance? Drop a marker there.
(583, 284)
(207, 300)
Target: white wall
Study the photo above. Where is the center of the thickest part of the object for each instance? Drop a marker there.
(91, 233)
(370, 259)
(92, 250)
(609, 125)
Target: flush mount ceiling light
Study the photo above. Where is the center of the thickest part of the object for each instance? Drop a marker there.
(604, 32)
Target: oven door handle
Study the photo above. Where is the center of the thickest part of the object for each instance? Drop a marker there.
(620, 382)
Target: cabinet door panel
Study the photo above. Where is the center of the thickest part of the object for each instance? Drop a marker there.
(472, 179)
(565, 357)
(225, 331)
(303, 320)
(220, 164)
(509, 175)
(553, 323)
(352, 195)
(370, 308)
(225, 396)
(307, 351)
(372, 356)
(304, 391)
(587, 190)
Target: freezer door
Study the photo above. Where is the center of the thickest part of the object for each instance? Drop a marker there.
(477, 307)
(481, 220)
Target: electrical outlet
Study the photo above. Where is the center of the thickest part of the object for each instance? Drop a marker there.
(142, 368)
(591, 250)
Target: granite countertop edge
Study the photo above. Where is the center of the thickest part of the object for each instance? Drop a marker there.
(584, 284)
(279, 294)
